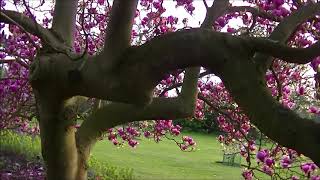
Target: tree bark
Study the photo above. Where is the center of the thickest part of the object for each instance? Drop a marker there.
(57, 138)
(82, 166)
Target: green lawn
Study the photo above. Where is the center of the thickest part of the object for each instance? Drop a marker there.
(165, 161)
(149, 160)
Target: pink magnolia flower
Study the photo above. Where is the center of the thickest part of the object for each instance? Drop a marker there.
(133, 143)
(269, 161)
(101, 2)
(306, 168)
(286, 90)
(147, 134)
(316, 177)
(115, 142)
(278, 2)
(285, 161)
(221, 21)
(262, 155)
(301, 90)
(175, 131)
(317, 25)
(247, 174)
(315, 63)
(267, 170)
(231, 30)
(314, 109)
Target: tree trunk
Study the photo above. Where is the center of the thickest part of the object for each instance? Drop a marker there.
(83, 156)
(58, 141)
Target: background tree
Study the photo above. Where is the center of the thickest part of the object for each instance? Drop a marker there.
(100, 51)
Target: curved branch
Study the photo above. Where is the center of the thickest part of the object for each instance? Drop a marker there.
(120, 113)
(277, 122)
(205, 4)
(205, 45)
(147, 64)
(47, 37)
(218, 8)
(24, 21)
(254, 11)
(288, 54)
(25, 31)
(286, 28)
(283, 125)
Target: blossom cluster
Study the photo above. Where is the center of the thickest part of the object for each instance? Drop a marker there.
(157, 130)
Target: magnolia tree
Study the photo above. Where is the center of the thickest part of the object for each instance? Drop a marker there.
(131, 54)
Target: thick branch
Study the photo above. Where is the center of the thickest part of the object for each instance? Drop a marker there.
(25, 31)
(248, 88)
(286, 28)
(47, 37)
(280, 124)
(64, 19)
(208, 48)
(254, 11)
(189, 90)
(119, 113)
(205, 48)
(118, 32)
(27, 23)
(288, 54)
(218, 8)
(147, 64)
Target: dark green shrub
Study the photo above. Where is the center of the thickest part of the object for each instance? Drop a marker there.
(103, 170)
(207, 125)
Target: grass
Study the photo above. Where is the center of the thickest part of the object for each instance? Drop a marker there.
(149, 160)
(29, 148)
(166, 161)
